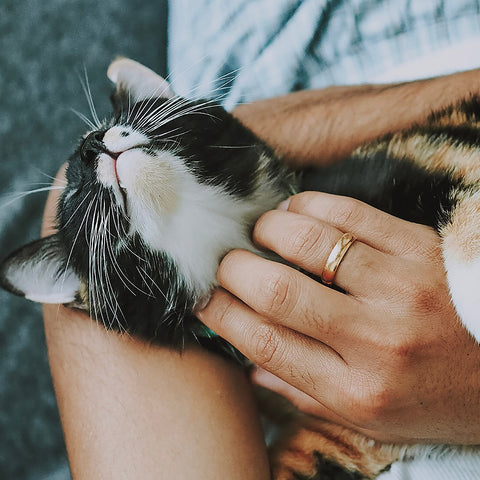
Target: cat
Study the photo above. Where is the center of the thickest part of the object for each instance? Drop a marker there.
(156, 195)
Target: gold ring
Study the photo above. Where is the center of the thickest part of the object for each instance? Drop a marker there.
(336, 256)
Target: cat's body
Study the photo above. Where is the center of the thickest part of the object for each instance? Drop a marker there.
(158, 194)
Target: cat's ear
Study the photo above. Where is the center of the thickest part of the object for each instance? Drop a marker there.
(139, 81)
(38, 272)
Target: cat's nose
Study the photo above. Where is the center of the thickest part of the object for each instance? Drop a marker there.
(92, 146)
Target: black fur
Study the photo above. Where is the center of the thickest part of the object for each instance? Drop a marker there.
(396, 186)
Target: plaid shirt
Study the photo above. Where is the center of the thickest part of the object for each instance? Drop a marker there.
(243, 50)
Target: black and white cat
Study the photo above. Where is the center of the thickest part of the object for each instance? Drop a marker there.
(154, 198)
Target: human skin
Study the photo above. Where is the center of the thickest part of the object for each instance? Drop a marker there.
(388, 357)
(308, 127)
(133, 410)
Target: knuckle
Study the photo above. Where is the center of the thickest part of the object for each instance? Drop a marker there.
(299, 202)
(346, 212)
(277, 294)
(427, 299)
(267, 351)
(226, 312)
(372, 404)
(401, 352)
(423, 298)
(306, 240)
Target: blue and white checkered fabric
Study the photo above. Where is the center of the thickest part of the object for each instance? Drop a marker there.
(252, 49)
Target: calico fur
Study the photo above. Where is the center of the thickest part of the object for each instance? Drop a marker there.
(160, 192)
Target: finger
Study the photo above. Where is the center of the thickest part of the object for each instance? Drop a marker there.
(309, 405)
(371, 226)
(308, 243)
(300, 399)
(50, 212)
(291, 299)
(301, 361)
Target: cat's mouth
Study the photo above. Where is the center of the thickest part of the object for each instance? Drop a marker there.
(119, 182)
(122, 190)
(108, 176)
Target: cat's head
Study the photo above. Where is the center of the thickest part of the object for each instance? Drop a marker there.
(155, 195)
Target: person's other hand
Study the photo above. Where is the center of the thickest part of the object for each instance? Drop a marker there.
(388, 357)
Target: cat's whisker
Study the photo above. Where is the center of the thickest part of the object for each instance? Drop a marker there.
(84, 118)
(159, 112)
(166, 108)
(109, 297)
(98, 286)
(129, 107)
(121, 276)
(92, 282)
(37, 190)
(77, 234)
(60, 180)
(190, 110)
(88, 94)
(19, 195)
(170, 303)
(149, 102)
(76, 210)
(229, 78)
(167, 135)
(178, 107)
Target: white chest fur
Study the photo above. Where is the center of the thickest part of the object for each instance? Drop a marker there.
(195, 223)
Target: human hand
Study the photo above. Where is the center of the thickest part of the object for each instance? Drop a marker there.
(388, 357)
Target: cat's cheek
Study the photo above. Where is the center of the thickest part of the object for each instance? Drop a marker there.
(464, 283)
(149, 181)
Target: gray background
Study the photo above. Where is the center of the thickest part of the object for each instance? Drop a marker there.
(44, 46)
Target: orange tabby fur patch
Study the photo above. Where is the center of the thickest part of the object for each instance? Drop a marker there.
(296, 453)
(462, 161)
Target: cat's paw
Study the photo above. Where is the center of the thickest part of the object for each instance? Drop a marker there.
(464, 283)
(316, 449)
(293, 465)
(312, 467)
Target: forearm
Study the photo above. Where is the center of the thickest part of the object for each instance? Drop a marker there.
(130, 410)
(321, 126)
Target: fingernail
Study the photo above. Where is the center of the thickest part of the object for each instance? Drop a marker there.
(284, 205)
(203, 303)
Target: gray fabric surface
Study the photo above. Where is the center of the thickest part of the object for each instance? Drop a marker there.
(44, 46)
